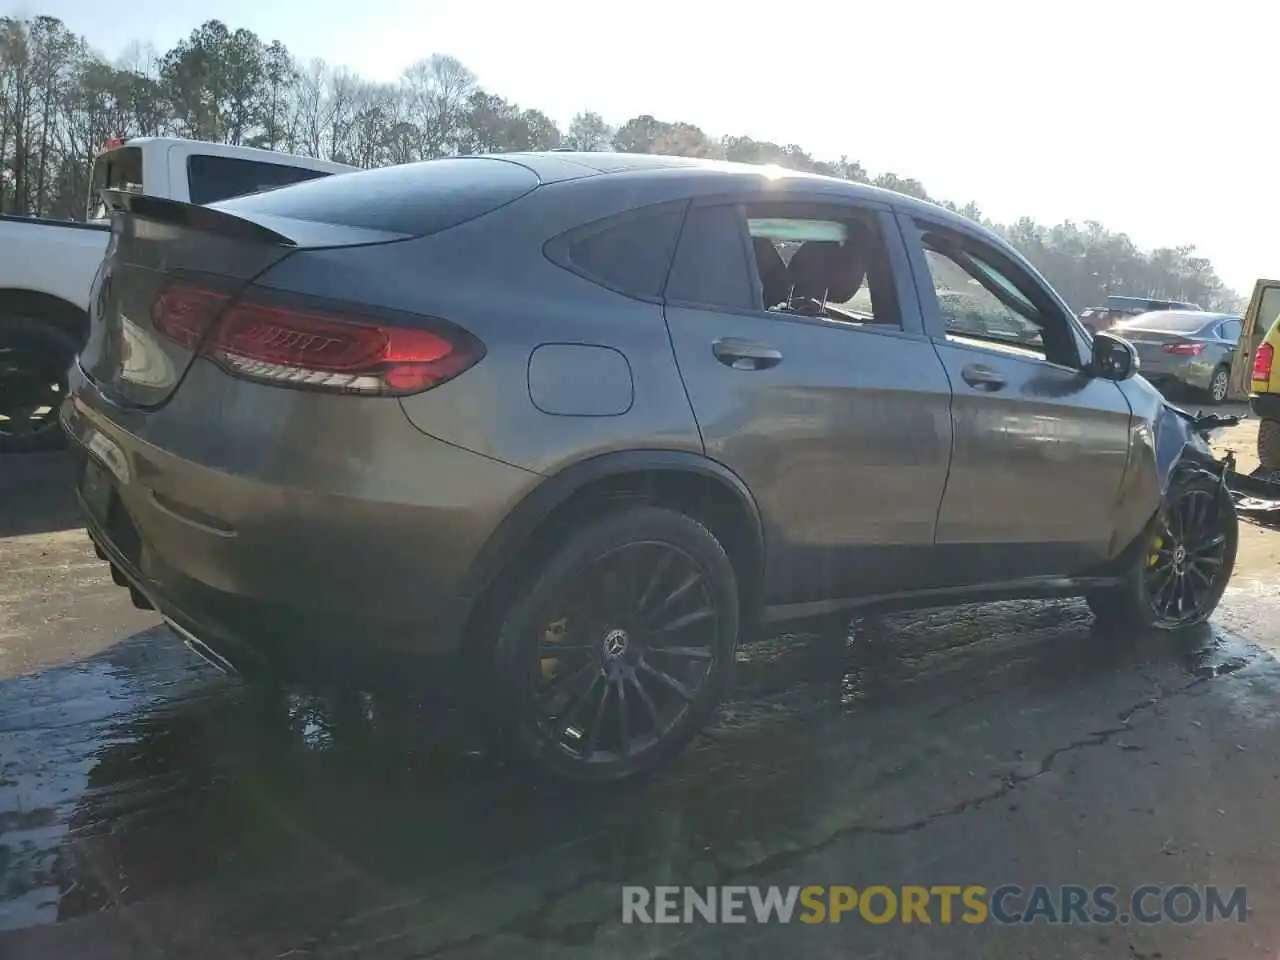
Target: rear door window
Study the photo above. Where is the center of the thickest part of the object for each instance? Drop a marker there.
(800, 260)
(210, 178)
(711, 268)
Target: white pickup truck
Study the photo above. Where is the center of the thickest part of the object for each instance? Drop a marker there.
(48, 266)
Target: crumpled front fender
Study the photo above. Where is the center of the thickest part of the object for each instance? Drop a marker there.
(1161, 443)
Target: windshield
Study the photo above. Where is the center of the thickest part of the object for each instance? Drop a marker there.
(119, 169)
(1168, 320)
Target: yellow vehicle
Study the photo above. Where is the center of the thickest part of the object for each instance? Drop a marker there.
(1255, 368)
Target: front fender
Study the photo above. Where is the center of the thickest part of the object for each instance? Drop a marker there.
(1163, 440)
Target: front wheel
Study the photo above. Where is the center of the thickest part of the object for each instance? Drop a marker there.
(617, 654)
(1189, 552)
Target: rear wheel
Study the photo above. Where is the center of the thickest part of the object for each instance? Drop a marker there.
(1219, 385)
(1179, 576)
(616, 655)
(1269, 445)
(34, 359)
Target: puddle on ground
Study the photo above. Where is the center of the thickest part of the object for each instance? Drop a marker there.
(141, 772)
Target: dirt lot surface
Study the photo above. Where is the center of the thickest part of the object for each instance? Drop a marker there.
(151, 807)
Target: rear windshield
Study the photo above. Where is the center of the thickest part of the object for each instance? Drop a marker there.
(1141, 305)
(210, 178)
(1166, 320)
(119, 169)
(413, 199)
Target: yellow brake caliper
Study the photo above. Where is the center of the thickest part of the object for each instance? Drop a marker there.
(1154, 558)
(555, 631)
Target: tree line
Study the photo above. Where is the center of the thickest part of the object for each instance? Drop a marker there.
(60, 101)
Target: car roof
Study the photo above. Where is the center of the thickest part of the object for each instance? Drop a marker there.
(682, 177)
(714, 174)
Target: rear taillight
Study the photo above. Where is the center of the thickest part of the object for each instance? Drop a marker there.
(1184, 349)
(1263, 361)
(184, 313)
(314, 345)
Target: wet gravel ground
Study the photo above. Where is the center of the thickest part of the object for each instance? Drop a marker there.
(150, 806)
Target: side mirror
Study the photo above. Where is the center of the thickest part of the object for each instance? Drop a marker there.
(1114, 358)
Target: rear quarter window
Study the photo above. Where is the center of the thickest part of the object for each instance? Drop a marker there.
(414, 199)
(629, 253)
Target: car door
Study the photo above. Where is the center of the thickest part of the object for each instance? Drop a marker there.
(1263, 309)
(1040, 444)
(832, 406)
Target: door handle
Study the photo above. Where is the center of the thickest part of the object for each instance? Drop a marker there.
(982, 377)
(745, 354)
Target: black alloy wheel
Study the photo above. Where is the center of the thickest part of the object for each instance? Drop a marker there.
(1189, 560)
(622, 648)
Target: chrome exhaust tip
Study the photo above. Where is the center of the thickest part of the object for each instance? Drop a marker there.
(203, 650)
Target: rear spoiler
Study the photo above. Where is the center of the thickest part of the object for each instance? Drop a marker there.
(225, 219)
(192, 217)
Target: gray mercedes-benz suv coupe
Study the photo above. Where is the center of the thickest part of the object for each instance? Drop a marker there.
(591, 418)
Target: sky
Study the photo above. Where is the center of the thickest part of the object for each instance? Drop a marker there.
(1154, 118)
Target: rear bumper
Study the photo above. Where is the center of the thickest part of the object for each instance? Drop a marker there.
(1196, 376)
(255, 638)
(1265, 405)
(349, 562)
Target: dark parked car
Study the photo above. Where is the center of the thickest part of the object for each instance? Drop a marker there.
(1185, 349)
(577, 417)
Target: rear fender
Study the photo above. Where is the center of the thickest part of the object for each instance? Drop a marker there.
(518, 527)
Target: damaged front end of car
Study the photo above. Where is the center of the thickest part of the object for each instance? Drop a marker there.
(1169, 449)
(1259, 490)
(1177, 527)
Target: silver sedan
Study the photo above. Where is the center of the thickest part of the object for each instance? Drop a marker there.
(1184, 348)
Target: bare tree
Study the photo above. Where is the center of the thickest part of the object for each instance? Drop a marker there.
(340, 113)
(437, 90)
(310, 111)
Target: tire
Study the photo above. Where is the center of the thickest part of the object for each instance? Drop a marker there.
(34, 358)
(1131, 606)
(1219, 385)
(579, 651)
(1269, 445)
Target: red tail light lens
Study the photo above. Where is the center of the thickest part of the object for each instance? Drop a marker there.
(184, 313)
(1184, 349)
(1262, 362)
(310, 348)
